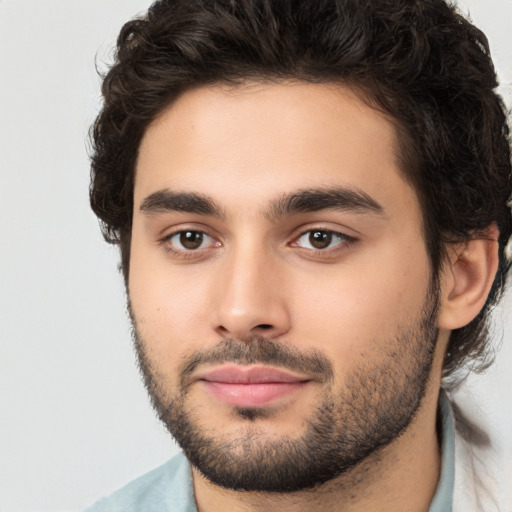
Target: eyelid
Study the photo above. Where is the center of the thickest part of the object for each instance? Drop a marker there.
(169, 231)
(165, 241)
(346, 240)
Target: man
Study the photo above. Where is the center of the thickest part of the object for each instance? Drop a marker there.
(311, 202)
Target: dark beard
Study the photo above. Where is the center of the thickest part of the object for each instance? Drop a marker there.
(377, 403)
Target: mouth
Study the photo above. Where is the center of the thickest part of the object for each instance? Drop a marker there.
(250, 386)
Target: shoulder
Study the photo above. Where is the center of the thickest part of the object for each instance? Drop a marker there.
(166, 488)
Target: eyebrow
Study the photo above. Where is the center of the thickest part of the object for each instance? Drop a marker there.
(313, 200)
(169, 201)
(302, 201)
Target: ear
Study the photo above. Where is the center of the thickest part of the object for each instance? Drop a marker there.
(466, 279)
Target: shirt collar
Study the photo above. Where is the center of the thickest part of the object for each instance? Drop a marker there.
(443, 498)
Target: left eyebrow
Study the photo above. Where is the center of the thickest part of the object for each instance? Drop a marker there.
(313, 200)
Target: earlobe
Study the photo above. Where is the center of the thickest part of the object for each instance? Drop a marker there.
(467, 279)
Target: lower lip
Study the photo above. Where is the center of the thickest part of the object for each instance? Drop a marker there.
(252, 395)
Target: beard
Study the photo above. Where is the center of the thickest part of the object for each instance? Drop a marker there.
(377, 401)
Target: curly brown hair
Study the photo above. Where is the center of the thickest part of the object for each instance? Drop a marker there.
(420, 61)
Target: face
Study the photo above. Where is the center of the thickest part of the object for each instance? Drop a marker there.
(279, 283)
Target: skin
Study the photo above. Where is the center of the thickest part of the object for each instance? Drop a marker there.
(257, 275)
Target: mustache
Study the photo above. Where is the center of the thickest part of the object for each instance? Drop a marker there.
(258, 350)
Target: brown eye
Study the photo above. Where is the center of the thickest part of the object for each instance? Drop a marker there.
(191, 239)
(190, 243)
(320, 239)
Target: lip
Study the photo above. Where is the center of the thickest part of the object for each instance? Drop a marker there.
(235, 374)
(252, 386)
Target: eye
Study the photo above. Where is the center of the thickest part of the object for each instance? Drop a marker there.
(190, 240)
(321, 239)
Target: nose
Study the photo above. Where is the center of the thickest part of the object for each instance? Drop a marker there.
(250, 298)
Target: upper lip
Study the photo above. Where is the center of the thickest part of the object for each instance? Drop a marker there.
(235, 374)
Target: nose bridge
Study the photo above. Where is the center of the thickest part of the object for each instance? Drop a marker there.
(249, 299)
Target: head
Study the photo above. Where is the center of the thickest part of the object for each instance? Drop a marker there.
(416, 77)
(433, 77)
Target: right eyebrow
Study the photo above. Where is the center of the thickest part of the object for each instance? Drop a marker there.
(168, 201)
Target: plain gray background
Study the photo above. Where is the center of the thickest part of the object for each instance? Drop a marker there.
(74, 418)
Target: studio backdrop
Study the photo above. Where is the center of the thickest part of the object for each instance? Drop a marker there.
(74, 418)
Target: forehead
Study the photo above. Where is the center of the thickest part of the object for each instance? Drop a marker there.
(254, 141)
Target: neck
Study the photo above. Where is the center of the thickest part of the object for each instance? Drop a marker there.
(401, 476)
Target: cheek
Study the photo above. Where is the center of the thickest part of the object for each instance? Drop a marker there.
(169, 307)
(362, 304)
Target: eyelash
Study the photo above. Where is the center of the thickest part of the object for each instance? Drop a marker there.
(184, 253)
(345, 241)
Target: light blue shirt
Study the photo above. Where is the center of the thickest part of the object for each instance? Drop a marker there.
(443, 498)
(169, 488)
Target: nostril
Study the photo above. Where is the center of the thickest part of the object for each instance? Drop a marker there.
(264, 327)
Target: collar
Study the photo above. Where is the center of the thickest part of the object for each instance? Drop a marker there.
(443, 498)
